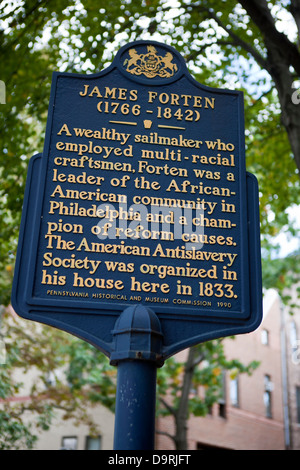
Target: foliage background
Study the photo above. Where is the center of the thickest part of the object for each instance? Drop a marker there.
(247, 45)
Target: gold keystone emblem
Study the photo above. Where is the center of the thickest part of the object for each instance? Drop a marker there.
(151, 64)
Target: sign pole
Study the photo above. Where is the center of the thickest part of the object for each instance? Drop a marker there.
(135, 406)
(137, 353)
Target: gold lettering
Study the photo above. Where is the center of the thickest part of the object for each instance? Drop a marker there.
(64, 129)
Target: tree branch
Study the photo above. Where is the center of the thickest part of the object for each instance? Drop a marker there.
(164, 433)
(197, 361)
(295, 11)
(237, 40)
(260, 14)
(171, 410)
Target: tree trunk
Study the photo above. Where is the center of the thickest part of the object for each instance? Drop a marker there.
(182, 413)
(282, 56)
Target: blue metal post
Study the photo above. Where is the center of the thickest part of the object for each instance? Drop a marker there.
(135, 406)
(137, 353)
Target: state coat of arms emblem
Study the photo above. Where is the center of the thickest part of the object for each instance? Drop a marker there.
(150, 64)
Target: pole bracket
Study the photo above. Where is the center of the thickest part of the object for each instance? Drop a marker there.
(137, 336)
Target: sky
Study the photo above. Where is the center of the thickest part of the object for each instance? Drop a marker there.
(289, 244)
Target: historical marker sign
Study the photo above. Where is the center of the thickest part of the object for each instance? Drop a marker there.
(141, 196)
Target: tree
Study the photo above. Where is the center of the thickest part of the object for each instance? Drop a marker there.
(225, 43)
(228, 44)
(69, 374)
(66, 374)
(179, 383)
(282, 62)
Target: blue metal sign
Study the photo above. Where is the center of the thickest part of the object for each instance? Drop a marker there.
(141, 196)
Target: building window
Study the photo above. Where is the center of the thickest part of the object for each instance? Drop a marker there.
(298, 404)
(222, 399)
(93, 443)
(222, 409)
(268, 396)
(293, 336)
(265, 337)
(50, 379)
(69, 443)
(204, 446)
(234, 391)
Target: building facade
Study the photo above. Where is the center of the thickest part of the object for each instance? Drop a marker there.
(251, 415)
(66, 435)
(291, 328)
